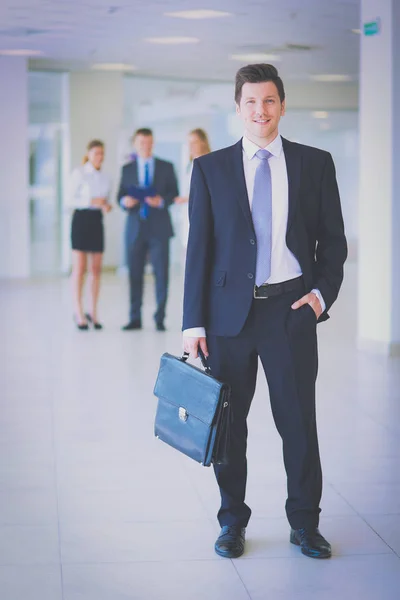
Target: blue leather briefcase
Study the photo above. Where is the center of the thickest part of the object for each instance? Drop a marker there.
(193, 412)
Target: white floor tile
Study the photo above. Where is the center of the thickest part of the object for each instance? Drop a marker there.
(120, 475)
(148, 502)
(30, 583)
(25, 426)
(371, 498)
(128, 542)
(388, 528)
(28, 507)
(348, 535)
(194, 580)
(28, 453)
(366, 577)
(26, 475)
(29, 545)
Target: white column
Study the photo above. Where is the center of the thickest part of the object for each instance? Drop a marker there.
(14, 163)
(379, 199)
(96, 112)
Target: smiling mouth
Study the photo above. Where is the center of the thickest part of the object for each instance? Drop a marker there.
(262, 121)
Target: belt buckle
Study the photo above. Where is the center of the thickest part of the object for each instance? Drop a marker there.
(258, 297)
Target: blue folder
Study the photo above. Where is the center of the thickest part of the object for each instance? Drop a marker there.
(140, 193)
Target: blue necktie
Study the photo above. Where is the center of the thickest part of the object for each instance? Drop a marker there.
(146, 181)
(144, 209)
(262, 217)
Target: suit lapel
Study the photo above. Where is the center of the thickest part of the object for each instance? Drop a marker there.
(293, 166)
(134, 171)
(236, 160)
(156, 172)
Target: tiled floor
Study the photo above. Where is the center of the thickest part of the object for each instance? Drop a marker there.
(92, 507)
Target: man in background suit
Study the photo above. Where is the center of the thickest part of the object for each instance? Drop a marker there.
(264, 264)
(148, 225)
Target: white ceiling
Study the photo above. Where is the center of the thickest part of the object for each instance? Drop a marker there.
(74, 34)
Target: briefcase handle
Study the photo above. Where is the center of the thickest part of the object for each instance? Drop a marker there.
(203, 359)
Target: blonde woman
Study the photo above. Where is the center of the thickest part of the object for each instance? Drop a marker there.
(198, 146)
(90, 190)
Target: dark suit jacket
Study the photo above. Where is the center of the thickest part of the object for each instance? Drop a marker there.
(158, 223)
(221, 253)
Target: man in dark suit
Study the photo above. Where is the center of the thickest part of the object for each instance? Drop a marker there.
(148, 225)
(264, 264)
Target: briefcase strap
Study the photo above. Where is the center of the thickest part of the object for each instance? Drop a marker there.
(203, 359)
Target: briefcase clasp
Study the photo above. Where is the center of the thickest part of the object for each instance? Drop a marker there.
(183, 414)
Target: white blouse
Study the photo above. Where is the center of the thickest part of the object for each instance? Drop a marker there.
(181, 211)
(187, 179)
(87, 183)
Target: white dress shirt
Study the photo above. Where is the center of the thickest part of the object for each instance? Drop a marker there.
(87, 183)
(181, 210)
(284, 265)
(141, 163)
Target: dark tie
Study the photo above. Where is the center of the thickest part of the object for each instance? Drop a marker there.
(262, 216)
(144, 209)
(146, 181)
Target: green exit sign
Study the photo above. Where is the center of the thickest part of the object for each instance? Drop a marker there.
(373, 27)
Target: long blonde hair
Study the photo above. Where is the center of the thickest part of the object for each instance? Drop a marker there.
(92, 144)
(203, 137)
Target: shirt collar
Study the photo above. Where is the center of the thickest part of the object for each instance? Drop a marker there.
(250, 148)
(89, 168)
(143, 161)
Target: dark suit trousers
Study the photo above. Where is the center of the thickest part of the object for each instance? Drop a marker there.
(158, 251)
(286, 342)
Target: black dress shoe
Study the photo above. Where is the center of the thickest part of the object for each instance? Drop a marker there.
(160, 327)
(311, 542)
(81, 326)
(96, 324)
(132, 325)
(230, 543)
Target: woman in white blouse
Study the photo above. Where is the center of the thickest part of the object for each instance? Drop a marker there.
(198, 146)
(90, 190)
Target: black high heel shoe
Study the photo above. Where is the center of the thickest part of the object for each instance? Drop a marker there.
(96, 324)
(81, 326)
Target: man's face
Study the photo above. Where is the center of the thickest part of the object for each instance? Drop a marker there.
(260, 109)
(143, 145)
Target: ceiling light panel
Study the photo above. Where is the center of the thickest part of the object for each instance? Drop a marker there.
(255, 57)
(21, 52)
(320, 114)
(331, 78)
(113, 67)
(172, 40)
(198, 14)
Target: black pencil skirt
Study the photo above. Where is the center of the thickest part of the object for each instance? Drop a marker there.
(87, 231)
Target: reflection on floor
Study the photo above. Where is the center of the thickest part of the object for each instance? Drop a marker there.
(92, 507)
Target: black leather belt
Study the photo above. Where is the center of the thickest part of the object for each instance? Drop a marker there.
(275, 289)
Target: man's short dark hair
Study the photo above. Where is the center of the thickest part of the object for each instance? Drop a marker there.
(142, 131)
(258, 74)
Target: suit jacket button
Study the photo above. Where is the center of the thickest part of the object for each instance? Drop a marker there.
(252, 242)
(250, 275)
